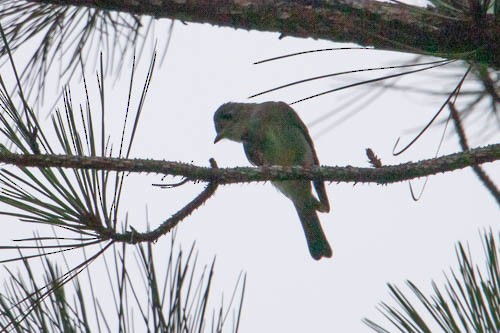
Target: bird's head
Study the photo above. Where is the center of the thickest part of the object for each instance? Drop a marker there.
(231, 121)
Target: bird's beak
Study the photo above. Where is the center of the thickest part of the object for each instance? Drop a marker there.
(219, 137)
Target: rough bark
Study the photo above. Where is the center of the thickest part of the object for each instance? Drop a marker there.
(468, 35)
(381, 175)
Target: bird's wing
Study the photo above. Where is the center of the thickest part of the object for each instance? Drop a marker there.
(254, 142)
(253, 152)
(319, 186)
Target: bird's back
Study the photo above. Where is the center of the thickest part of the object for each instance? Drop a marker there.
(279, 137)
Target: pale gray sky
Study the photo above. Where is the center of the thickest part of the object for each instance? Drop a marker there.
(378, 233)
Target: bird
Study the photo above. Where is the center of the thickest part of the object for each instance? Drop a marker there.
(272, 133)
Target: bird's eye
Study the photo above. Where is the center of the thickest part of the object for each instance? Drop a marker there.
(226, 116)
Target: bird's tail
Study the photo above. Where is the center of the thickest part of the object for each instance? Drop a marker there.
(316, 239)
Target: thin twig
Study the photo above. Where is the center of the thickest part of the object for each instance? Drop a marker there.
(481, 174)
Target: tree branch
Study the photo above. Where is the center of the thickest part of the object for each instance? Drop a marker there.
(466, 35)
(134, 237)
(382, 175)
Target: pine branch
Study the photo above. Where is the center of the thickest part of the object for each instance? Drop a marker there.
(466, 32)
(467, 301)
(383, 175)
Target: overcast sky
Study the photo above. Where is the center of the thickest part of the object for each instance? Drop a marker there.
(378, 233)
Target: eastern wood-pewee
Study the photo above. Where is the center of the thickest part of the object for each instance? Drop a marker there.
(273, 134)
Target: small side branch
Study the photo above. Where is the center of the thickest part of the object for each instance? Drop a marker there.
(133, 237)
(373, 158)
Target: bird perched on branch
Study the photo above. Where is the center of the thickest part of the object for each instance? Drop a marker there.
(273, 134)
